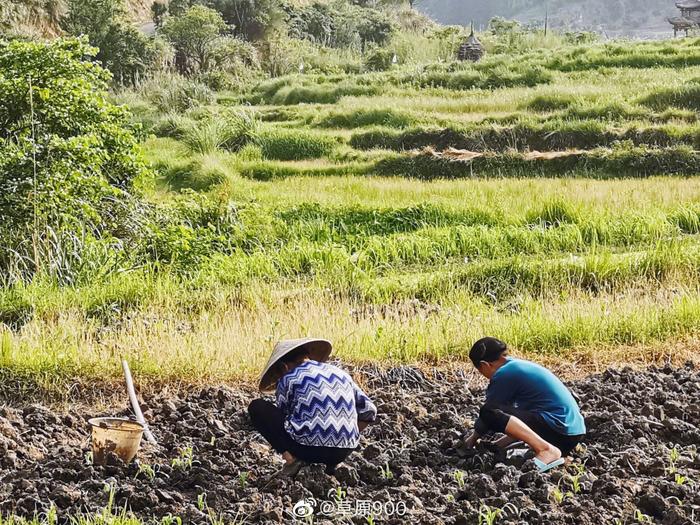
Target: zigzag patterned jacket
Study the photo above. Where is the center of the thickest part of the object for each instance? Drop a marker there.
(322, 405)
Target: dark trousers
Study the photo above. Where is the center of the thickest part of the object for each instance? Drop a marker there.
(494, 417)
(269, 421)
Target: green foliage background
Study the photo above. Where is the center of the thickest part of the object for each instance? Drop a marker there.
(68, 157)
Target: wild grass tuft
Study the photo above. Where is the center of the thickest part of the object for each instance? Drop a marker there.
(229, 131)
(292, 144)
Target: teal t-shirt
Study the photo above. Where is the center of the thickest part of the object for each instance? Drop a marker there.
(529, 386)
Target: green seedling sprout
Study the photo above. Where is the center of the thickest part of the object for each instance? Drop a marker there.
(640, 517)
(243, 479)
(558, 496)
(575, 482)
(171, 520)
(215, 519)
(111, 490)
(488, 515)
(202, 501)
(682, 480)
(459, 478)
(184, 460)
(386, 472)
(673, 456)
(339, 494)
(51, 515)
(676, 500)
(146, 471)
(370, 520)
(88, 458)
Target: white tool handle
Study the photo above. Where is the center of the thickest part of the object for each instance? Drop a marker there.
(135, 403)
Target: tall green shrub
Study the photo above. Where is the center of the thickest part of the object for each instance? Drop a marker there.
(67, 156)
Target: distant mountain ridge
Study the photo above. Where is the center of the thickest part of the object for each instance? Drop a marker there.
(613, 16)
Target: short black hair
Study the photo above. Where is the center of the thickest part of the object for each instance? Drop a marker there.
(487, 349)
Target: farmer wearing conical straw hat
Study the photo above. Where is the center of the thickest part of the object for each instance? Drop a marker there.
(526, 402)
(319, 411)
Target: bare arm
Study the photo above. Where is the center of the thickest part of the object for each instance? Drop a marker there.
(366, 410)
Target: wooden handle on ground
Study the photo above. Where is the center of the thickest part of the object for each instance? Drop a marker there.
(135, 403)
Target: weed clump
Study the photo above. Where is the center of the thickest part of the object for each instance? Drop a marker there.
(683, 97)
(553, 213)
(176, 93)
(361, 118)
(320, 94)
(292, 144)
(229, 131)
(622, 159)
(551, 102)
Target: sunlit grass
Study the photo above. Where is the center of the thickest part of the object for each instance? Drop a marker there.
(392, 268)
(230, 341)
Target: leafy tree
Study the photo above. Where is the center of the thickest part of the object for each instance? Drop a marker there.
(253, 19)
(124, 50)
(158, 11)
(502, 27)
(195, 36)
(379, 59)
(340, 24)
(180, 7)
(234, 53)
(127, 53)
(92, 18)
(448, 38)
(67, 156)
(374, 27)
(318, 23)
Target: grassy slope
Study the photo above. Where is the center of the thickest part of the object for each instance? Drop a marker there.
(398, 269)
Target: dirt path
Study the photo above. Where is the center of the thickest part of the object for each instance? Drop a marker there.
(410, 464)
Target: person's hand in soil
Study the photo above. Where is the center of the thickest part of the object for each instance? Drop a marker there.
(288, 458)
(471, 441)
(362, 425)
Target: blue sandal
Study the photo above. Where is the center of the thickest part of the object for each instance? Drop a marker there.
(544, 467)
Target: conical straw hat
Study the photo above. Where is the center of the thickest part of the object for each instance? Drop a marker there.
(319, 350)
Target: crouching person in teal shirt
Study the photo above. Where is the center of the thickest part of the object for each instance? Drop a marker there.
(526, 402)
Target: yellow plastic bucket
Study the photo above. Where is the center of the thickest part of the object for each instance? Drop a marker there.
(115, 434)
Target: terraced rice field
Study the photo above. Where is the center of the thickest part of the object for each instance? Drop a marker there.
(550, 199)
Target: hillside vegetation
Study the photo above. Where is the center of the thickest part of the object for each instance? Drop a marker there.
(549, 198)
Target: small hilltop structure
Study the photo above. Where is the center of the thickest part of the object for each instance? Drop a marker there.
(689, 19)
(471, 49)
